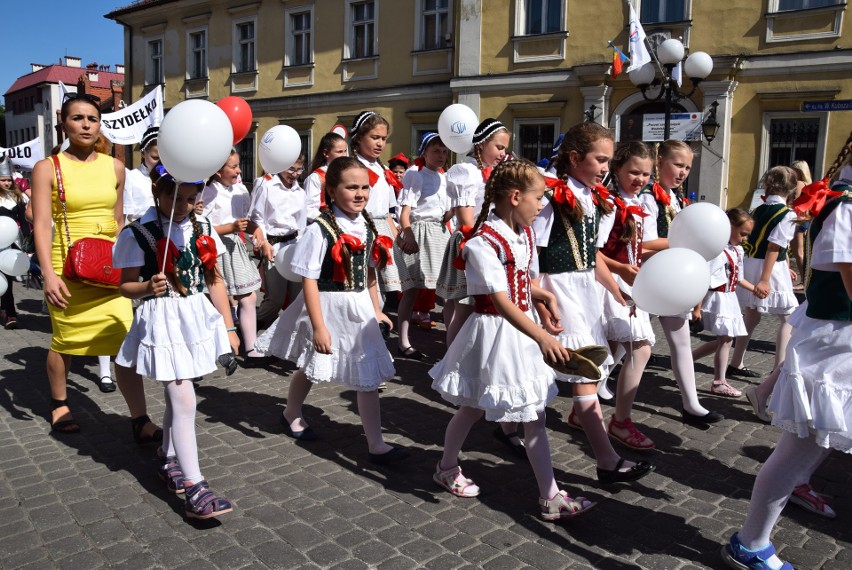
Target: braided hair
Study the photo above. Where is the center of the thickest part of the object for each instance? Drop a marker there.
(519, 174)
(364, 123)
(842, 159)
(485, 131)
(623, 155)
(579, 139)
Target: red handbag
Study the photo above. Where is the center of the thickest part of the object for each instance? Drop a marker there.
(89, 259)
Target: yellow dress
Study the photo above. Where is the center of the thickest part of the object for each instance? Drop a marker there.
(96, 319)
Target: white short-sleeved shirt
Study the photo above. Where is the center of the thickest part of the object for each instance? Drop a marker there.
(224, 204)
(783, 232)
(382, 196)
(128, 253)
(138, 193)
(278, 210)
(653, 209)
(833, 245)
(313, 191)
(311, 249)
(649, 224)
(425, 191)
(544, 221)
(465, 186)
(483, 270)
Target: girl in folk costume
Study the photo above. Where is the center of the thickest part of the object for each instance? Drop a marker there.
(279, 209)
(12, 205)
(177, 334)
(575, 271)
(331, 331)
(466, 190)
(331, 146)
(423, 237)
(138, 194)
(621, 238)
(367, 141)
(497, 366)
(226, 204)
(812, 402)
(720, 308)
(662, 201)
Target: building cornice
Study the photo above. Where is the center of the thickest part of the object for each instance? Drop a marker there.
(556, 79)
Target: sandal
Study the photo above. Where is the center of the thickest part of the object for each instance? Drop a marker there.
(635, 440)
(561, 506)
(411, 352)
(573, 422)
(518, 449)
(106, 385)
(63, 426)
(804, 496)
(138, 424)
(172, 475)
(453, 481)
(722, 388)
(738, 556)
(202, 503)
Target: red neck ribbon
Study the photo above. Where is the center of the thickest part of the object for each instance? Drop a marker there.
(661, 194)
(392, 180)
(382, 243)
(600, 194)
(206, 251)
(173, 254)
(813, 198)
(345, 240)
(562, 193)
(486, 173)
(624, 210)
(467, 233)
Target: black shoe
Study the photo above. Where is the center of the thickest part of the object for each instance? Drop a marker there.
(506, 438)
(696, 420)
(106, 385)
(635, 473)
(307, 434)
(251, 362)
(742, 372)
(411, 353)
(392, 456)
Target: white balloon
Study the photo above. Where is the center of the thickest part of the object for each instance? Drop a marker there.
(194, 140)
(8, 231)
(703, 228)
(14, 262)
(4, 284)
(456, 126)
(672, 281)
(284, 263)
(279, 149)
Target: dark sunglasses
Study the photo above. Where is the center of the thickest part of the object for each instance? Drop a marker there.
(85, 96)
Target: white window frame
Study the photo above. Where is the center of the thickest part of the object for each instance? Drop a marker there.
(775, 6)
(191, 52)
(149, 61)
(773, 14)
(768, 116)
(516, 128)
(290, 35)
(420, 26)
(521, 17)
(349, 30)
(238, 44)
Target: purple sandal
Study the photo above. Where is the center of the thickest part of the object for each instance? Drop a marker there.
(202, 503)
(172, 475)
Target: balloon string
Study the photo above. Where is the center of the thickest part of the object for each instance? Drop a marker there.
(171, 221)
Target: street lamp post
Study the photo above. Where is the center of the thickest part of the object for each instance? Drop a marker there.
(670, 53)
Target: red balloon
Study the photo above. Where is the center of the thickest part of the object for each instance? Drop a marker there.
(239, 113)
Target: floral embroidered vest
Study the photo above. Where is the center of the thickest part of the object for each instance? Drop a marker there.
(359, 260)
(571, 247)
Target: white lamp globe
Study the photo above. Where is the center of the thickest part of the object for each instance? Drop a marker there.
(643, 75)
(698, 65)
(670, 52)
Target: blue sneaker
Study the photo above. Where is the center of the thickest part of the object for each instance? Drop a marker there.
(738, 556)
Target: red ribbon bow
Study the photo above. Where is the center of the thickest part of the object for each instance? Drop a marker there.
(600, 193)
(391, 179)
(813, 198)
(562, 193)
(345, 240)
(172, 257)
(385, 243)
(661, 195)
(206, 251)
(467, 233)
(624, 210)
(486, 173)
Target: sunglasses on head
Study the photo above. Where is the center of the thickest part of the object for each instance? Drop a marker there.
(84, 96)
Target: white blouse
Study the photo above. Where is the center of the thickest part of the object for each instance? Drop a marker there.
(311, 249)
(833, 245)
(543, 223)
(278, 210)
(382, 196)
(465, 186)
(783, 232)
(224, 204)
(313, 190)
(425, 191)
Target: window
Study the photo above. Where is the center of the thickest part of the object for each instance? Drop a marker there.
(155, 62)
(542, 16)
(535, 138)
(435, 29)
(363, 30)
(784, 5)
(793, 139)
(301, 47)
(245, 148)
(197, 54)
(653, 11)
(244, 56)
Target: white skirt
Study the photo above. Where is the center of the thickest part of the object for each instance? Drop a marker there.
(238, 270)
(581, 301)
(619, 326)
(174, 338)
(359, 358)
(420, 270)
(721, 314)
(494, 367)
(814, 391)
(781, 299)
(389, 276)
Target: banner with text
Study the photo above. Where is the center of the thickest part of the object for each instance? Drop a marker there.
(127, 125)
(24, 155)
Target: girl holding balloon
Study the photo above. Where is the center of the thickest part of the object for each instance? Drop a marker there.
(331, 146)
(12, 204)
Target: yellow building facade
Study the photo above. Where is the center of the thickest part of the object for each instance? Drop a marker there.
(782, 72)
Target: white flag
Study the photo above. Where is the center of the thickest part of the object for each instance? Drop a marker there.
(639, 54)
(127, 125)
(677, 73)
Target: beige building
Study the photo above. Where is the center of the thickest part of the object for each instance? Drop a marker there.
(537, 65)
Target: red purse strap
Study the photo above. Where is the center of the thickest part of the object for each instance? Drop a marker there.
(60, 189)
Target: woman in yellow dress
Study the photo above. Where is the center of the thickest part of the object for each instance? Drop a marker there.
(86, 320)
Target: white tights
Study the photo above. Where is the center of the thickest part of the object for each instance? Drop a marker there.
(680, 346)
(179, 428)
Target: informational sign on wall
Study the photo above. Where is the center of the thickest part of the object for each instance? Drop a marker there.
(684, 127)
